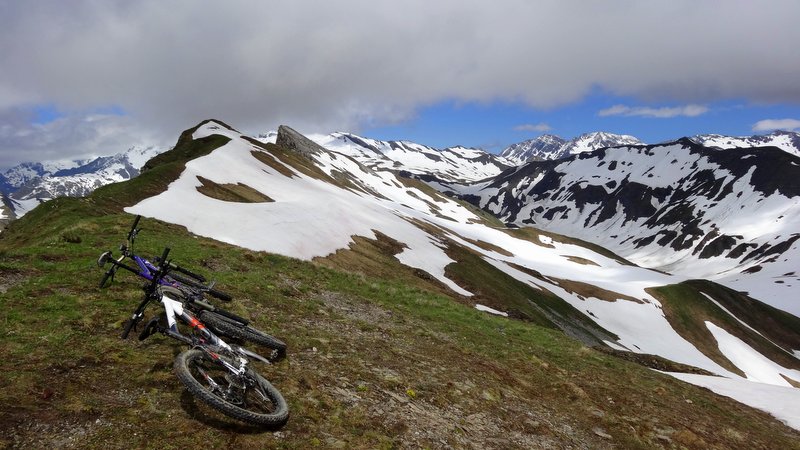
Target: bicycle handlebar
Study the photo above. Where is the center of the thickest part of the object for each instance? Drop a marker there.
(165, 267)
(183, 270)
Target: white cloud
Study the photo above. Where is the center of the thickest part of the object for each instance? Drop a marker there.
(665, 112)
(777, 124)
(324, 66)
(541, 127)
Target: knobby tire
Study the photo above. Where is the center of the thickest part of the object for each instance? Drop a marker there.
(185, 368)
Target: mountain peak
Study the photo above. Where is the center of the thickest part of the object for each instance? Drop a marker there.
(290, 139)
(548, 146)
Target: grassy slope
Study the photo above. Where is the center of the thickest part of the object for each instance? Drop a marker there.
(374, 361)
(687, 310)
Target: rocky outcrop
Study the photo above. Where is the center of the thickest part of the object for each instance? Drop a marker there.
(290, 139)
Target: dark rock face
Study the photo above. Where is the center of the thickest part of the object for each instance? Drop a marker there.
(292, 140)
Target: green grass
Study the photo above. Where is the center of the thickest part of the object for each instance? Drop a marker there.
(687, 310)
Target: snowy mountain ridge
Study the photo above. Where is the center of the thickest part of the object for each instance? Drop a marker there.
(785, 140)
(732, 216)
(553, 147)
(452, 164)
(548, 146)
(539, 148)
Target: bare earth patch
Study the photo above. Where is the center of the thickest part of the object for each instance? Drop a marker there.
(240, 193)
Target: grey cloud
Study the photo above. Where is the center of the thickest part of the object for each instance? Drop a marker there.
(321, 66)
(72, 137)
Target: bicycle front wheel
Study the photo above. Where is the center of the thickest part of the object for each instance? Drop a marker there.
(249, 397)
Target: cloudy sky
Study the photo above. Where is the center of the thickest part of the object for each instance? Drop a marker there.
(88, 77)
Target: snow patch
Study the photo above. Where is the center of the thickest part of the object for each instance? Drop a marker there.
(779, 401)
(755, 365)
(489, 310)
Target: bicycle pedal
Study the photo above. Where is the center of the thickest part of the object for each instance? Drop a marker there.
(150, 329)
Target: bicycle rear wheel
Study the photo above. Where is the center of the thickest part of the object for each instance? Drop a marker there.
(231, 328)
(249, 397)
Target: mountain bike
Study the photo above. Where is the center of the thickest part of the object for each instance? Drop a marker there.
(213, 371)
(188, 287)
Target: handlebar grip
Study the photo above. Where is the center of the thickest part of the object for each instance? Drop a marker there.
(220, 295)
(163, 261)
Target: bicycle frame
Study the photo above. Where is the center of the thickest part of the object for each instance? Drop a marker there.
(145, 270)
(175, 312)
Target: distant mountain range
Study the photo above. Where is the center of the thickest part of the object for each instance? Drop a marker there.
(26, 185)
(785, 140)
(731, 215)
(452, 163)
(548, 146)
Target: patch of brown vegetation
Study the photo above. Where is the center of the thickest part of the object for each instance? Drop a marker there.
(10, 278)
(652, 361)
(269, 160)
(297, 162)
(529, 234)
(791, 381)
(240, 193)
(579, 260)
(489, 247)
(376, 258)
(691, 326)
(585, 290)
(532, 234)
(427, 190)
